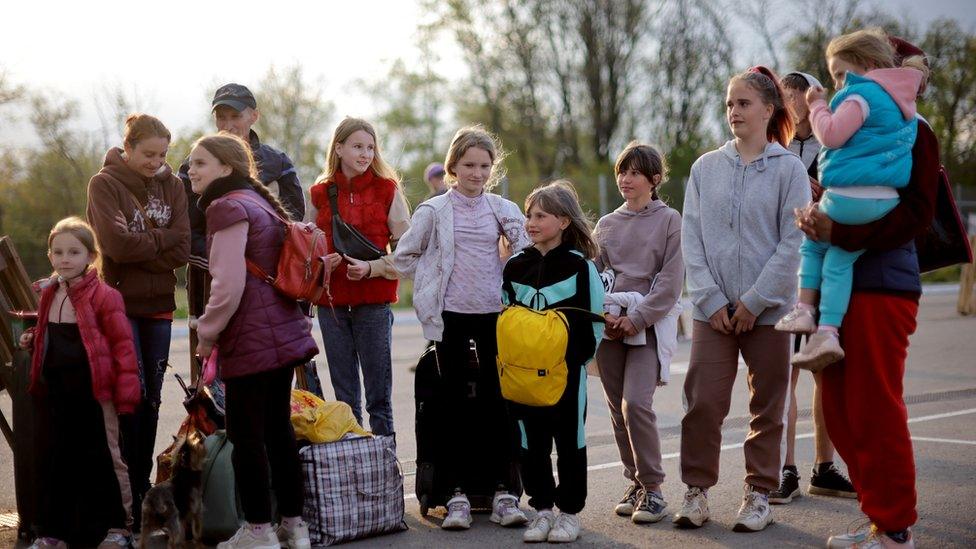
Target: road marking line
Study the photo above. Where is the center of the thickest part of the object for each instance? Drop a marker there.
(942, 416)
(946, 440)
(933, 417)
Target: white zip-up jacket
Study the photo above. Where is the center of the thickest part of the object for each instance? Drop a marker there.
(425, 253)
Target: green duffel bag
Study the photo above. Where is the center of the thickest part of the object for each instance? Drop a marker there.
(222, 512)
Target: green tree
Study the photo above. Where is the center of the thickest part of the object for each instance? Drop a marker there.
(950, 101)
(295, 118)
(46, 184)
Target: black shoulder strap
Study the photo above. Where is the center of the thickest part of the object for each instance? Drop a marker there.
(333, 190)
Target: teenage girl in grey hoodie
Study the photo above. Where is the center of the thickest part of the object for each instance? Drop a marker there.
(740, 249)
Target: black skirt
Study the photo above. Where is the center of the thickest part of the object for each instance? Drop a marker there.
(80, 497)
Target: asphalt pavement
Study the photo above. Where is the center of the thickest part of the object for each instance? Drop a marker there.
(940, 388)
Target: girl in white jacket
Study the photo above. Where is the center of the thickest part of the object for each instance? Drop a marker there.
(455, 249)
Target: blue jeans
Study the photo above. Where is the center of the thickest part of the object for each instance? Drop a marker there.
(152, 337)
(361, 337)
(830, 268)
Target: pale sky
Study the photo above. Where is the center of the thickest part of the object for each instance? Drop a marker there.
(171, 54)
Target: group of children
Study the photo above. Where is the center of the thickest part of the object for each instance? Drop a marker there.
(100, 347)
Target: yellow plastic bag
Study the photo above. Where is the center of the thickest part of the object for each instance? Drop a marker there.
(317, 421)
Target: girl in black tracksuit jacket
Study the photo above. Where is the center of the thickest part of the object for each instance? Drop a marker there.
(555, 272)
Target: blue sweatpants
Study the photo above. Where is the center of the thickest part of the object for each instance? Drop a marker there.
(829, 268)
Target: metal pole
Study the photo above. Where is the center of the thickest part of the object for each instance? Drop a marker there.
(602, 187)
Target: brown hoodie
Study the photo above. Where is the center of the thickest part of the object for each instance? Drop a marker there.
(639, 247)
(139, 261)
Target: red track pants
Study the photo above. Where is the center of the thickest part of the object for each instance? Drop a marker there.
(866, 417)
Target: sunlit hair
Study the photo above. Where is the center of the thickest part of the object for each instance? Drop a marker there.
(873, 48)
(645, 159)
(78, 228)
(781, 126)
(232, 151)
(140, 126)
(559, 198)
(475, 137)
(347, 127)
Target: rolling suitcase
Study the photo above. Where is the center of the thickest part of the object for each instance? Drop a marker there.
(430, 406)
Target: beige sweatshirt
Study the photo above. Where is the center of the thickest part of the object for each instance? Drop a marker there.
(640, 246)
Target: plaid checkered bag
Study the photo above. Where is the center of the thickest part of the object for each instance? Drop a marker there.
(353, 489)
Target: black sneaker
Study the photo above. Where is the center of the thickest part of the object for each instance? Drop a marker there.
(827, 480)
(629, 502)
(650, 508)
(789, 487)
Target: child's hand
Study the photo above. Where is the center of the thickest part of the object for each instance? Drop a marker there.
(26, 339)
(815, 93)
(742, 320)
(720, 322)
(204, 348)
(611, 330)
(121, 223)
(626, 326)
(331, 262)
(357, 269)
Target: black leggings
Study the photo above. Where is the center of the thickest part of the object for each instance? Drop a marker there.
(258, 410)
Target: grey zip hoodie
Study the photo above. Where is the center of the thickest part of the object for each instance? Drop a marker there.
(739, 239)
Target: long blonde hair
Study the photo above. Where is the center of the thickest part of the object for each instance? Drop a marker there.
(80, 229)
(559, 198)
(232, 151)
(347, 127)
(475, 137)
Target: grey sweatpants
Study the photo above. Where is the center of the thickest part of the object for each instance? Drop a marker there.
(629, 375)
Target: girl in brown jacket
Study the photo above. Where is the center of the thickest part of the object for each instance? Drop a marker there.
(137, 207)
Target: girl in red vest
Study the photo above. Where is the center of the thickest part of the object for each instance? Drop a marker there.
(243, 317)
(356, 321)
(84, 374)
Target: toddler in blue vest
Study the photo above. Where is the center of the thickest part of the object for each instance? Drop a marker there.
(867, 135)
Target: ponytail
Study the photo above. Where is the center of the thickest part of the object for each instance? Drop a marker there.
(781, 126)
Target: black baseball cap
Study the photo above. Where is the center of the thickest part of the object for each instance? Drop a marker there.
(235, 96)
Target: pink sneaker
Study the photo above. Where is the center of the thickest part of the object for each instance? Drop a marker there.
(820, 351)
(797, 321)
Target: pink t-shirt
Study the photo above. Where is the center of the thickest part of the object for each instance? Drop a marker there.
(475, 284)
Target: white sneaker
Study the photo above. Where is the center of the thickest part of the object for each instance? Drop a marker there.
(245, 538)
(538, 530)
(566, 530)
(295, 537)
(505, 510)
(879, 540)
(458, 513)
(857, 532)
(115, 539)
(798, 321)
(754, 513)
(820, 351)
(694, 510)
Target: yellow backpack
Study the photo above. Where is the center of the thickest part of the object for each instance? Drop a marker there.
(531, 357)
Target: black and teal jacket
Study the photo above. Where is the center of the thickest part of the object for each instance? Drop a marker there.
(561, 278)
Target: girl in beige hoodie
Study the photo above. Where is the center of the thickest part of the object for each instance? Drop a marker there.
(641, 243)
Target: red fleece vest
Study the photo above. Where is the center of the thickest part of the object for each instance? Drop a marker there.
(364, 203)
